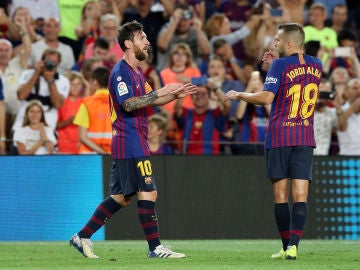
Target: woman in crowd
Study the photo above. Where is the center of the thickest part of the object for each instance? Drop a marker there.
(35, 137)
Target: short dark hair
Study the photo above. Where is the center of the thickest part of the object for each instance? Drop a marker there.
(346, 34)
(127, 31)
(101, 75)
(102, 43)
(295, 30)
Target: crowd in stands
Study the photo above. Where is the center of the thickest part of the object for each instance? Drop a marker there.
(56, 57)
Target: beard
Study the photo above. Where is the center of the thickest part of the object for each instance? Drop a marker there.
(139, 54)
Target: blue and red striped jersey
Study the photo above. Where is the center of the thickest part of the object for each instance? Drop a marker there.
(294, 80)
(201, 132)
(129, 129)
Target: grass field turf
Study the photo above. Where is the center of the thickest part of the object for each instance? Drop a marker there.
(202, 254)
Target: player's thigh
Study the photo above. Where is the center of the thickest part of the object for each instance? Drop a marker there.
(277, 163)
(129, 176)
(300, 162)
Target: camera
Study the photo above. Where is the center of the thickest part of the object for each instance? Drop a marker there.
(327, 95)
(199, 80)
(186, 15)
(49, 65)
(274, 12)
(342, 52)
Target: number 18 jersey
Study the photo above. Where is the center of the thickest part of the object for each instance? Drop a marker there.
(294, 80)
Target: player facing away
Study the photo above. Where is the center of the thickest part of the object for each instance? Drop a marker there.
(291, 87)
(132, 172)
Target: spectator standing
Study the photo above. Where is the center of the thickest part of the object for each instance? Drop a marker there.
(317, 30)
(10, 72)
(201, 126)
(67, 132)
(349, 120)
(35, 137)
(70, 14)
(293, 101)
(339, 18)
(325, 119)
(51, 41)
(152, 20)
(181, 69)
(93, 116)
(183, 27)
(45, 84)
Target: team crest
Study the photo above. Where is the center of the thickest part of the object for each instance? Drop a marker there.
(122, 89)
(148, 180)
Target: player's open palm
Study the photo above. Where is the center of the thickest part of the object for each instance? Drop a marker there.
(185, 90)
(168, 89)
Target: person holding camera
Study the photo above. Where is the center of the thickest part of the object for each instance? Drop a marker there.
(43, 83)
(182, 27)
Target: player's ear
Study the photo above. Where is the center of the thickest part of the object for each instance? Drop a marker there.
(128, 44)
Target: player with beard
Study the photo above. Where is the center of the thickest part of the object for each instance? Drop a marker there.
(132, 172)
(291, 87)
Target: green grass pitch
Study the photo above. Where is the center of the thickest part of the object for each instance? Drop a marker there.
(202, 254)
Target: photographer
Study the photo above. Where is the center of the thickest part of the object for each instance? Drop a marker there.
(45, 84)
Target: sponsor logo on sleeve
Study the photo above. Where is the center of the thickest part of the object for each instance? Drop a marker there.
(270, 80)
(122, 89)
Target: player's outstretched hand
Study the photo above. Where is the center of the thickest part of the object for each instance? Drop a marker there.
(185, 90)
(167, 89)
(269, 56)
(232, 94)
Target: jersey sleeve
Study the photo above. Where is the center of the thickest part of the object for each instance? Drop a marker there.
(272, 80)
(82, 117)
(121, 84)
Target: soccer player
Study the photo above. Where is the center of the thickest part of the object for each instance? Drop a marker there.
(132, 171)
(291, 87)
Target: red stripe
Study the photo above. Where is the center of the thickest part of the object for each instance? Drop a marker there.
(105, 211)
(149, 224)
(97, 221)
(143, 211)
(88, 230)
(297, 232)
(152, 236)
(285, 234)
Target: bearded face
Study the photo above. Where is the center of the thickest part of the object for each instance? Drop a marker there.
(140, 55)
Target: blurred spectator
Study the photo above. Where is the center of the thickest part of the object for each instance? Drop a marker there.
(339, 17)
(181, 69)
(198, 6)
(38, 8)
(68, 134)
(70, 14)
(183, 27)
(218, 28)
(339, 79)
(88, 30)
(2, 122)
(43, 83)
(201, 127)
(10, 72)
(253, 120)
(51, 40)
(8, 28)
(108, 29)
(109, 7)
(294, 10)
(349, 120)
(325, 119)
(344, 55)
(157, 135)
(93, 116)
(25, 26)
(353, 14)
(34, 137)
(330, 4)
(152, 20)
(89, 65)
(264, 31)
(237, 12)
(318, 31)
(100, 50)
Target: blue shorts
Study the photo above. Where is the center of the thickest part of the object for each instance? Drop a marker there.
(293, 162)
(132, 175)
